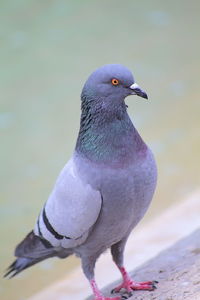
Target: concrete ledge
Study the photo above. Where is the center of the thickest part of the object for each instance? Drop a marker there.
(145, 243)
(177, 270)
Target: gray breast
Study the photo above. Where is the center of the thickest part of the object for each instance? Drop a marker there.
(126, 195)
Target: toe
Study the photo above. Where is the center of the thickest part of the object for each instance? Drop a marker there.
(126, 295)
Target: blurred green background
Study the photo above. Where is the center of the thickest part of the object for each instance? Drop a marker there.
(47, 50)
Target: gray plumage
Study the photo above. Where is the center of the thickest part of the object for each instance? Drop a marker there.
(105, 188)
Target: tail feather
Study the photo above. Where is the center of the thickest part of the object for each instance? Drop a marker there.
(33, 246)
(29, 252)
(32, 250)
(19, 265)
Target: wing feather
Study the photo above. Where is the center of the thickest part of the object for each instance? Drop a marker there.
(71, 210)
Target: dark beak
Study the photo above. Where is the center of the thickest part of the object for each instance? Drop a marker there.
(136, 90)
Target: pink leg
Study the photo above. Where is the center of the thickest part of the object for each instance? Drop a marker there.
(128, 284)
(97, 293)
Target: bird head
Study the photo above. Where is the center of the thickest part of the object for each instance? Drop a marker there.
(112, 82)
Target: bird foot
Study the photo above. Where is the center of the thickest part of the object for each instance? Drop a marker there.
(130, 285)
(97, 293)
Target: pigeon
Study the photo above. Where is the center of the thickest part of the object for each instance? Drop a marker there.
(104, 189)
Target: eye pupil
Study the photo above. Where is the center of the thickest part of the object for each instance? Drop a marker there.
(115, 81)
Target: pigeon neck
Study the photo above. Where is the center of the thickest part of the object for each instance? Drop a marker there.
(108, 136)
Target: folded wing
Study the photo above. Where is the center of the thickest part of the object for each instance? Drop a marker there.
(70, 212)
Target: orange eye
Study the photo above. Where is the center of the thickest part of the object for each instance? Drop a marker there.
(115, 81)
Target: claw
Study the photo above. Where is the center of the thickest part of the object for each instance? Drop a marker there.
(127, 295)
(124, 297)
